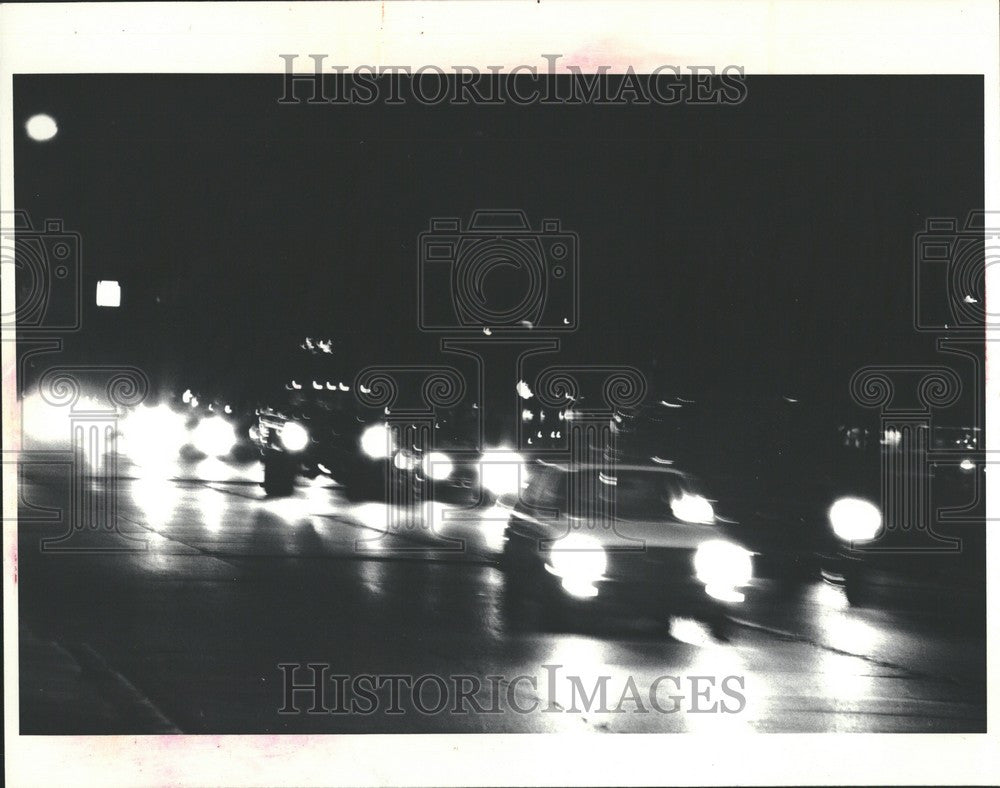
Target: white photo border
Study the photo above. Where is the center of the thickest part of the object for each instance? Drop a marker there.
(790, 37)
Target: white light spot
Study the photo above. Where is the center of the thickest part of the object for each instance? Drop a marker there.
(523, 390)
(41, 128)
(109, 293)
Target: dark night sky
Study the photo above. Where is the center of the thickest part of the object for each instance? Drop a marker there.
(772, 238)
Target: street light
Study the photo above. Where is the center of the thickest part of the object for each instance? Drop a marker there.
(109, 293)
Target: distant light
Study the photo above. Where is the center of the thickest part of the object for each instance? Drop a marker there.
(214, 436)
(437, 465)
(186, 396)
(377, 441)
(967, 465)
(500, 471)
(109, 293)
(523, 390)
(404, 461)
(294, 436)
(41, 128)
(855, 520)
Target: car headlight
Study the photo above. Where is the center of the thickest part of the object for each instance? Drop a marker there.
(500, 471)
(722, 565)
(404, 460)
(692, 509)
(214, 436)
(376, 442)
(579, 560)
(294, 436)
(437, 465)
(855, 519)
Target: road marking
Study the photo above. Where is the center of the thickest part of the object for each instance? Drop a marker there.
(123, 693)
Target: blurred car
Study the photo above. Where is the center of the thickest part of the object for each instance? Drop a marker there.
(323, 434)
(374, 454)
(636, 538)
(806, 492)
(922, 542)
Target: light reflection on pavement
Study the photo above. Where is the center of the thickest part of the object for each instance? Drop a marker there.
(232, 583)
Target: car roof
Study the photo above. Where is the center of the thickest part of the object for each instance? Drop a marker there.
(631, 467)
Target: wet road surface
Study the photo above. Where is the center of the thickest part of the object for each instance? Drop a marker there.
(201, 590)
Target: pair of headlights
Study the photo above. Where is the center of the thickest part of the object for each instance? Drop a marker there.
(580, 561)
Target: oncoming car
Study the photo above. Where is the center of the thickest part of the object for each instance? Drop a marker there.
(639, 539)
(919, 542)
(352, 449)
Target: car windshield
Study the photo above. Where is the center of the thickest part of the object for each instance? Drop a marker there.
(629, 493)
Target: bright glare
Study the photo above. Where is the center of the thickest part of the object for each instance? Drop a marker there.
(724, 594)
(690, 631)
(500, 471)
(214, 436)
(692, 509)
(438, 465)
(376, 442)
(578, 557)
(403, 461)
(892, 437)
(109, 293)
(722, 565)
(855, 520)
(41, 128)
(294, 436)
(967, 465)
(152, 437)
(44, 422)
(582, 589)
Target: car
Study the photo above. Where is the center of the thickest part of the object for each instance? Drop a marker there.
(804, 480)
(374, 454)
(920, 542)
(636, 538)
